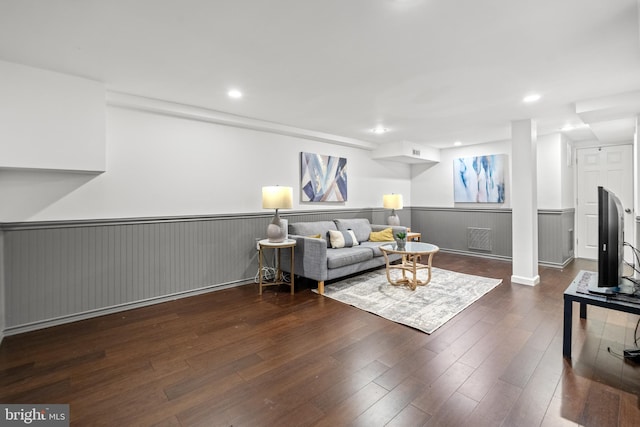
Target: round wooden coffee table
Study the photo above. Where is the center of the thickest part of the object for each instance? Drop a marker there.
(411, 262)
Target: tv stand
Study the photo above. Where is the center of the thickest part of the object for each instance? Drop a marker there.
(578, 292)
(590, 280)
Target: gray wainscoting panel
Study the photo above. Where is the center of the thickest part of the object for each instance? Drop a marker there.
(326, 215)
(462, 229)
(556, 236)
(450, 229)
(60, 270)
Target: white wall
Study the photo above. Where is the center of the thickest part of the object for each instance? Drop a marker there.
(568, 173)
(555, 173)
(50, 120)
(549, 176)
(432, 185)
(159, 165)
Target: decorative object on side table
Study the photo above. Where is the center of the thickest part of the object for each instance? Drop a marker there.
(402, 241)
(393, 202)
(276, 197)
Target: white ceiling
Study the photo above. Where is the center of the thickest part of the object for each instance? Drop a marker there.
(431, 71)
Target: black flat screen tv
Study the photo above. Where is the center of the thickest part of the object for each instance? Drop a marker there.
(610, 243)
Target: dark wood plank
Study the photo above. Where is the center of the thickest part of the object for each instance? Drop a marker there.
(232, 357)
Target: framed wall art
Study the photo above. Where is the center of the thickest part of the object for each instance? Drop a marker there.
(323, 178)
(479, 179)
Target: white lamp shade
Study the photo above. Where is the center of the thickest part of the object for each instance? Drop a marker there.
(277, 197)
(392, 201)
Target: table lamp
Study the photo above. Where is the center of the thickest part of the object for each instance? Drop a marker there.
(393, 202)
(276, 197)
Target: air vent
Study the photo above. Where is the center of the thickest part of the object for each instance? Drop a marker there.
(416, 152)
(479, 238)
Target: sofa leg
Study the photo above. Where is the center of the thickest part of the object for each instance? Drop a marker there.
(321, 287)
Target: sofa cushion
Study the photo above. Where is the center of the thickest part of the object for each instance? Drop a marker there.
(385, 235)
(360, 226)
(375, 247)
(312, 229)
(346, 256)
(342, 239)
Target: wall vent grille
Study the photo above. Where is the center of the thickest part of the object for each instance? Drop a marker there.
(479, 238)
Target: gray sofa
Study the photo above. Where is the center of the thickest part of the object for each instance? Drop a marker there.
(315, 259)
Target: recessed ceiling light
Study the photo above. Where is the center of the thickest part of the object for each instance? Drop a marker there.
(531, 98)
(457, 143)
(234, 93)
(379, 129)
(569, 127)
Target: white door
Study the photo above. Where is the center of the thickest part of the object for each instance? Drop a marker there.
(612, 168)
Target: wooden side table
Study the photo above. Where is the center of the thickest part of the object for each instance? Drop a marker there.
(411, 236)
(279, 277)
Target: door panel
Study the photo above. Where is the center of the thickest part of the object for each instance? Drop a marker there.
(610, 167)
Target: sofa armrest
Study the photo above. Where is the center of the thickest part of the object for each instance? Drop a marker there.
(310, 258)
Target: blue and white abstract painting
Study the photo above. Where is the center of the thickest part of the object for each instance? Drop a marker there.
(479, 179)
(324, 178)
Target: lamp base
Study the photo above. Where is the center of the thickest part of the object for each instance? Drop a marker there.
(277, 230)
(393, 220)
(275, 234)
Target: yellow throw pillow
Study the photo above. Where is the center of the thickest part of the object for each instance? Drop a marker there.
(316, 236)
(385, 235)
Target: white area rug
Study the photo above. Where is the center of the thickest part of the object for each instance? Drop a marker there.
(426, 309)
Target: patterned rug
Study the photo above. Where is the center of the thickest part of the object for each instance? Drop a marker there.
(426, 309)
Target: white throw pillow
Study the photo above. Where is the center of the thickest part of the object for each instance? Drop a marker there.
(342, 239)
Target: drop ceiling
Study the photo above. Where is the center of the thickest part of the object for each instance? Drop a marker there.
(429, 71)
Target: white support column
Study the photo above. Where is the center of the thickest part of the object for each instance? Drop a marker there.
(524, 202)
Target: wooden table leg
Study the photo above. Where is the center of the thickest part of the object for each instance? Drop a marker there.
(260, 269)
(291, 270)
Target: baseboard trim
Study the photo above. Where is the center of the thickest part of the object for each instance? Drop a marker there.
(556, 265)
(529, 281)
(47, 323)
(476, 254)
(507, 258)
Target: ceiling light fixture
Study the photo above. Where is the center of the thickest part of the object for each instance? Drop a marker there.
(457, 143)
(569, 127)
(531, 98)
(234, 93)
(379, 130)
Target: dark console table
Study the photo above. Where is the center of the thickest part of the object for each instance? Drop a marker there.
(572, 295)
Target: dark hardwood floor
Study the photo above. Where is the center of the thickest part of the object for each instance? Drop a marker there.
(234, 358)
